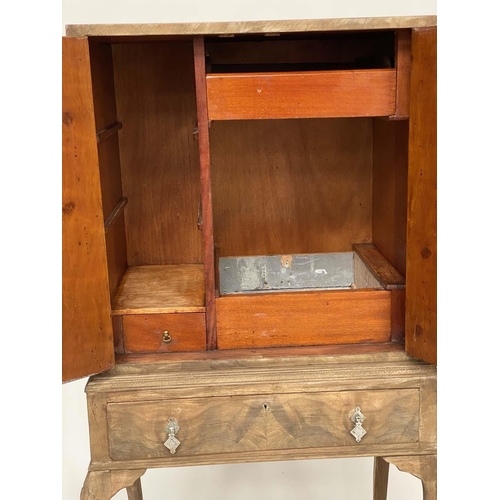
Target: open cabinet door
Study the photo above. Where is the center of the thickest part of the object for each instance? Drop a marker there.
(421, 280)
(87, 344)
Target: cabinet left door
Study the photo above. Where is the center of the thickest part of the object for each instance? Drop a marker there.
(87, 344)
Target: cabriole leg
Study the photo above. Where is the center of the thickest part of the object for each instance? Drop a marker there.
(421, 466)
(102, 485)
(380, 478)
(134, 492)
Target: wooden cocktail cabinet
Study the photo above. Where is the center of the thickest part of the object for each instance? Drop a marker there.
(249, 243)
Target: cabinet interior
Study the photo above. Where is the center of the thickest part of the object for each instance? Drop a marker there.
(281, 189)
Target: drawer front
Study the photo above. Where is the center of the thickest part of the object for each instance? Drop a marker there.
(146, 332)
(309, 94)
(217, 425)
(303, 318)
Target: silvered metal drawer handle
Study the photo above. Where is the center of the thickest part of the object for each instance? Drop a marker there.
(166, 336)
(172, 443)
(357, 418)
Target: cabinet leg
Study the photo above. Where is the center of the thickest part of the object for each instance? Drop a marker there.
(424, 467)
(102, 485)
(134, 492)
(380, 479)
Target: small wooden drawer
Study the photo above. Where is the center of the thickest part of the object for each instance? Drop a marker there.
(304, 94)
(242, 424)
(164, 332)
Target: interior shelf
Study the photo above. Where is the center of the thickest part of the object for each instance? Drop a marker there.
(161, 289)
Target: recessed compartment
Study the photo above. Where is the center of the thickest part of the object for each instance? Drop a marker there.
(292, 164)
(150, 186)
(315, 299)
(309, 231)
(340, 75)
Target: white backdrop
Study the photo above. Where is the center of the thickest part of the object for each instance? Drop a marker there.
(349, 479)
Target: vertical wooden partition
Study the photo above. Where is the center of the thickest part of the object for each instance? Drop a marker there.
(206, 190)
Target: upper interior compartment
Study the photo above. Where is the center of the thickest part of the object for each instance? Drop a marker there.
(320, 76)
(300, 52)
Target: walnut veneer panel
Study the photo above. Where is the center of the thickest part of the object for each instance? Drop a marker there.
(272, 422)
(242, 383)
(233, 27)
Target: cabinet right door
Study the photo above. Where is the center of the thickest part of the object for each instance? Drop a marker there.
(421, 279)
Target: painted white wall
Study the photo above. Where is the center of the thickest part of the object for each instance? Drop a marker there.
(347, 479)
(171, 11)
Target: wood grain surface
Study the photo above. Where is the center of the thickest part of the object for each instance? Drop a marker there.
(109, 131)
(421, 274)
(97, 406)
(385, 273)
(134, 492)
(402, 63)
(398, 316)
(160, 167)
(116, 251)
(207, 227)
(144, 332)
(424, 467)
(390, 178)
(210, 426)
(87, 343)
(103, 485)
(110, 174)
(103, 92)
(380, 478)
(363, 276)
(118, 334)
(263, 379)
(115, 214)
(212, 375)
(291, 186)
(303, 318)
(261, 353)
(308, 94)
(161, 289)
(246, 27)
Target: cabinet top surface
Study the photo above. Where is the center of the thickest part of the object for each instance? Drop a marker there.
(251, 27)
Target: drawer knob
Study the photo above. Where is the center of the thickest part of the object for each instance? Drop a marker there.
(172, 443)
(357, 418)
(166, 336)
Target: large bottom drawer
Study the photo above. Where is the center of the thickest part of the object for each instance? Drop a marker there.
(207, 426)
